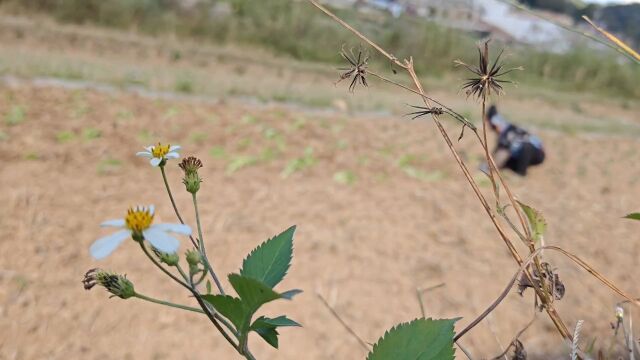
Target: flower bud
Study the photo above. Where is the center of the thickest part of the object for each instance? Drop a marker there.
(192, 182)
(193, 257)
(116, 284)
(169, 259)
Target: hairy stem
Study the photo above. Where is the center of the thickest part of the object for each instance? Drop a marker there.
(173, 203)
(202, 248)
(201, 302)
(167, 303)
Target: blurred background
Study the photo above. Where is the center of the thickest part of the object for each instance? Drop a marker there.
(381, 207)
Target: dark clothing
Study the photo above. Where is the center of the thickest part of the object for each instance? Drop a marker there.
(529, 155)
(524, 149)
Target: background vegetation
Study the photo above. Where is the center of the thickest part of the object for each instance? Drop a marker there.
(292, 28)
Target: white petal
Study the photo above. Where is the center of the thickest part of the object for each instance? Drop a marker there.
(149, 148)
(172, 155)
(174, 228)
(155, 161)
(161, 240)
(175, 148)
(152, 209)
(102, 247)
(144, 154)
(113, 223)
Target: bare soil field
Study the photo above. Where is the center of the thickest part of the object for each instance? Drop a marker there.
(380, 205)
(371, 228)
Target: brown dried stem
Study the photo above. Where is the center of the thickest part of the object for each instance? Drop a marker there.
(344, 324)
(583, 264)
(408, 66)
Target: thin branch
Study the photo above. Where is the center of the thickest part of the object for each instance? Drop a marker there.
(408, 66)
(568, 28)
(516, 338)
(201, 302)
(173, 203)
(357, 33)
(619, 43)
(167, 303)
(202, 247)
(526, 263)
(362, 343)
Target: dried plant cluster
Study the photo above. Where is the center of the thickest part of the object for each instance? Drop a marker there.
(487, 79)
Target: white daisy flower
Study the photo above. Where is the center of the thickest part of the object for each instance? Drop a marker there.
(138, 225)
(159, 154)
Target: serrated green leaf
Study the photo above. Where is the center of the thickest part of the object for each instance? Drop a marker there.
(269, 334)
(633, 216)
(280, 321)
(270, 261)
(421, 339)
(252, 292)
(230, 307)
(290, 294)
(537, 222)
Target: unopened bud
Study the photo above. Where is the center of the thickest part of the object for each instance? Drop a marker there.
(169, 259)
(116, 284)
(193, 257)
(619, 312)
(192, 182)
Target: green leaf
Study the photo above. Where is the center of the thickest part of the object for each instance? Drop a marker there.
(270, 261)
(280, 321)
(252, 292)
(290, 294)
(208, 287)
(269, 334)
(536, 221)
(267, 328)
(421, 339)
(633, 216)
(230, 307)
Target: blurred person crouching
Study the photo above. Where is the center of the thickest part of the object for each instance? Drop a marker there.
(517, 149)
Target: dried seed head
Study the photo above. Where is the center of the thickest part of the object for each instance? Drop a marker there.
(487, 78)
(191, 179)
(190, 164)
(118, 285)
(357, 68)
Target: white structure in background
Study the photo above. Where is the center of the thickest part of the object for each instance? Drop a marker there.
(500, 20)
(394, 7)
(521, 26)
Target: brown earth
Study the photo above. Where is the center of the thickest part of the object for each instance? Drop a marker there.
(366, 245)
(381, 210)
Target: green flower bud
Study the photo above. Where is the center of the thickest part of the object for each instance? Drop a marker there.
(169, 259)
(192, 182)
(193, 257)
(116, 284)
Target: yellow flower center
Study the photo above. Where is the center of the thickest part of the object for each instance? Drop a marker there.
(159, 151)
(138, 219)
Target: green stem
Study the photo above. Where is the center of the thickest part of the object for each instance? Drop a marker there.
(167, 303)
(194, 290)
(173, 202)
(202, 247)
(201, 302)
